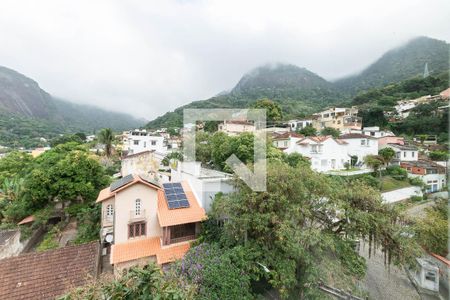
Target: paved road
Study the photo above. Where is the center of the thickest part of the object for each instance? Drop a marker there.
(386, 284)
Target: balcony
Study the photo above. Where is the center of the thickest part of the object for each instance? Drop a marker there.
(137, 215)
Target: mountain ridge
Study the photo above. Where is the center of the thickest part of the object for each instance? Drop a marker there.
(300, 98)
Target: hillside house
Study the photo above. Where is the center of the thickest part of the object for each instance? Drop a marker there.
(383, 141)
(287, 141)
(142, 221)
(236, 127)
(140, 140)
(343, 119)
(360, 145)
(404, 152)
(431, 173)
(324, 152)
(295, 125)
(373, 131)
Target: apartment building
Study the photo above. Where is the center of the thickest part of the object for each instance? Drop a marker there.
(343, 119)
(236, 127)
(137, 140)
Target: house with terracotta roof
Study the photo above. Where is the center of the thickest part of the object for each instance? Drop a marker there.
(325, 152)
(431, 173)
(143, 220)
(49, 274)
(235, 127)
(286, 141)
(360, 145)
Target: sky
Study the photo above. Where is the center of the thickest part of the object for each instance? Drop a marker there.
(149, 57)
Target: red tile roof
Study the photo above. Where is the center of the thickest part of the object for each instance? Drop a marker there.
(170, 217)
(287, 135)
(28, 219)
(148, 247)
(355, 136)
(319, 139)
(48, 274)
(106, 193)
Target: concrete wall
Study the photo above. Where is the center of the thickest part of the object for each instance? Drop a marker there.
(354, 147)
(142, 164)
(323, 162)
(12, 246)
(401, 194)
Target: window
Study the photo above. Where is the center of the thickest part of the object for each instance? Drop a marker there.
(145, 144)
(153, 143)
(136, 229)
(136, 142)
(137, 207)
(413, 153)
(182, 231)
(363, 142)
(109, 211)
(285, 143)
(404, 153)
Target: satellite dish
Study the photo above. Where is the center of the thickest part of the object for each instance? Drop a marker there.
(109, 238)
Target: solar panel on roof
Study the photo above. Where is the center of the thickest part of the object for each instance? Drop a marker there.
(121, 182)
(175, 196)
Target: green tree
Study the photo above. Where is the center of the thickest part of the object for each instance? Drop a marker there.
(295, 159)
(387, 154)
(138, 283)
(308, 131)
(67, 138)
(432, 231)
(106, 137)
(438, 155)
(330, 131)
(291, 228)
(15, 164)
(374, 162)
(65, 173)
(273, 110)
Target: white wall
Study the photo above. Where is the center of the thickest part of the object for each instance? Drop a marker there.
(401, 194)
(434, 182)
(125, 203)
(332, 157)
(144, 143)
(354, 147)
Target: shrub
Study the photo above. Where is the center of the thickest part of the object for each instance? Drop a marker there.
(397, 172)
(417, 181)
(49, 241)
(416, 198)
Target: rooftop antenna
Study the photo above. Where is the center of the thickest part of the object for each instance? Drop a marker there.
(426, 73)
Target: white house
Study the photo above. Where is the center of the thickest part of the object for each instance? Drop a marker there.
(325, 152)
(403, 152)
(205, 183)
(360, 145)
(287, 141)
(140, 140)
(235, 127)
(373, 131)
(295, 125)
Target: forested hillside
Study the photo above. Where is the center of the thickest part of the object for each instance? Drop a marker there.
(28, 113)
(300, 92)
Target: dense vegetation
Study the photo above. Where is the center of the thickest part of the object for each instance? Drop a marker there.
(28, 113)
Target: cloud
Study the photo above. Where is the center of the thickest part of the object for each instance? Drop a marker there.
(148, 57)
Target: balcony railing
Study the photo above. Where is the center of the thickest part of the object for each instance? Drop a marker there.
(182, 239)
(136, 215)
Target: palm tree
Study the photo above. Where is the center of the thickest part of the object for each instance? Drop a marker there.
(106, 137)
